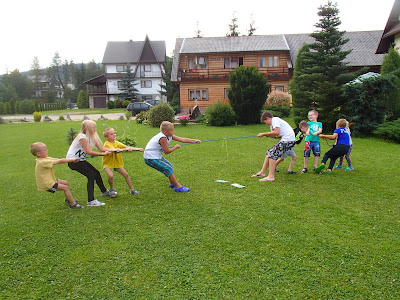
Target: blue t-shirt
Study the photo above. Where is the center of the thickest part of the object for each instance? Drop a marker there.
(343, 136)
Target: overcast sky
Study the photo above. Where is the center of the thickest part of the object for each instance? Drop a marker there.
(80, 30)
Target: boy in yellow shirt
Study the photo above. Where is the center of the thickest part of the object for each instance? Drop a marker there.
(114, 160)
(45, 179)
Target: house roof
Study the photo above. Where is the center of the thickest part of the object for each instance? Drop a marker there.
(132, 51)
(392, 27)
(362, 43)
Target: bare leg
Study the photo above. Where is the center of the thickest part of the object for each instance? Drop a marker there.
(174, 181)
(306, 158)
(316, 161)
(271, 174)
(63, 185)
(291, 163)
(263, 171)
(110, 176)
(124, 173)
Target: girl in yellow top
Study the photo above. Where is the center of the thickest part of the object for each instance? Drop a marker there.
(114, 160)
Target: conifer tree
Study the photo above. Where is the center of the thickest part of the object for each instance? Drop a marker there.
(128, 84)
(233, 27)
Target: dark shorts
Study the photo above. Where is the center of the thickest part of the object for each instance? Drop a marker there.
(162, 165)
(54, 188)
(279, 149)
(314, 146)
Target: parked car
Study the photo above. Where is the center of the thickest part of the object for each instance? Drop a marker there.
(153, 102)
(137, 107)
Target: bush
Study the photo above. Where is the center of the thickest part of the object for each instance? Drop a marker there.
(125, 103)
(142, 116)
(83, 100)
(71, 134)
(220, 114)
(127, 140)
(128, 114)
(37, 116)
(278, 111)
(2, 108)
(278, 98)
(110, 104)
(175, 104)
(118, 103)
(61, 118)
(160, 113)
(27, 107)
(389, 131)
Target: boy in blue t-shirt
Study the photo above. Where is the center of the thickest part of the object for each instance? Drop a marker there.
(342, 137)
(312, 140)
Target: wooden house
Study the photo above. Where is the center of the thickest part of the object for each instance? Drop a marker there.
(201, 65)
(146, 59)
(391, 34)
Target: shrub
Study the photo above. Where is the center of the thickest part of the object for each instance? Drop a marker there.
(71, 134)
(278, 98)
(83, 100)
(142, 116)
(27, 107)
(125, 103)
(175, 104)
(160, 113)
(2, 108)
(61, 118)
(278, 111)
(127, 140)
(220, 114)
(184, 120)
(128, 114)
(389, 131)
(118, 103)
(37, 116)
(110, 104)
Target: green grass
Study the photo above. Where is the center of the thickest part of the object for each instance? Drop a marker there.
(83, 111)
(303, 236)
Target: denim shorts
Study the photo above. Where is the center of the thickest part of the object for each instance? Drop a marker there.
(314, 146)
(162, 165)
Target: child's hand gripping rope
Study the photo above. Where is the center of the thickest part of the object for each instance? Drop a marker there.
(112, 151)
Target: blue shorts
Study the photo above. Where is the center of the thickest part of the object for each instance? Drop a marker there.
(162, 165)
(314, 146)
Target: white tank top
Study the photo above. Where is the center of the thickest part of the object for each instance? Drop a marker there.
(153, 148)
(76, 149)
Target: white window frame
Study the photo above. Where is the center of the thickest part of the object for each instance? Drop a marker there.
(146, 84)
(123, 68)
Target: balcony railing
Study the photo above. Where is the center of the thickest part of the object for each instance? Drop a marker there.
(155, 74)
(222, 74)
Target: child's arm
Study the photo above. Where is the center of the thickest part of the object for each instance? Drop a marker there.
(65, 160)
(319, 131)
(164, 145)
(132, 149)
(89, 151)
(274, 133)
(328, 137)
(185, 140)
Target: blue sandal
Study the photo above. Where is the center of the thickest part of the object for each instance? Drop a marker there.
(182, 189)
(76, 205)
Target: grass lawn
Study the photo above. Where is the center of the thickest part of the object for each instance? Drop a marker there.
(303, 236)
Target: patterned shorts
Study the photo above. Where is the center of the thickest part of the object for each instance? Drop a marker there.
(279, 149)
(162, 165)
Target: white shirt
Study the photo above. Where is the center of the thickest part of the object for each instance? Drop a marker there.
(286, 131)
(76, 149)
(153, 148)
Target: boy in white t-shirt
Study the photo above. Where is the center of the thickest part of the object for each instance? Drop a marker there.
(280, 128)
(158, 145)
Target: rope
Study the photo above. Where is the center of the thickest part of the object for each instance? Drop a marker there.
(92, 156)
(223, 139)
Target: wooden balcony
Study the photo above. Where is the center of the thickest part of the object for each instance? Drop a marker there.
(223, 74)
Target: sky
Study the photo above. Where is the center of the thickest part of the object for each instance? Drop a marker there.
(80, 29)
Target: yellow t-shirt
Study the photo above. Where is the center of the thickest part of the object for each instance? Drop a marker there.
(113, 160)
(45, 178)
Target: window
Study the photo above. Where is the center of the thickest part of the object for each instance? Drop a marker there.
(121, 68)
(147, 68)
(120, 85)
(147, 97)
(226, 94)
(262, 62)
(273, 61)
(145, 83)
(203, 62)
(232, 62)
(279, 88)
(198, 94)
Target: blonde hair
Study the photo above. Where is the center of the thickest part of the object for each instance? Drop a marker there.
(313, 111)
(341, 123)
(36, 147)
(92, 137)
(106, 131)
(165, 125)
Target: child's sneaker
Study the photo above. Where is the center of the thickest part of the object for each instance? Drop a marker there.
(113, 193)
(95, 202)
(171, 186)
(182, 189)
(320, 168)
(135, 192)
(338, 167)
(106, 193)
(350, 168)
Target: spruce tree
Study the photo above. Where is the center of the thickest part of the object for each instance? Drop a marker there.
(128, 84)
(324, 71)
(391, 64)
